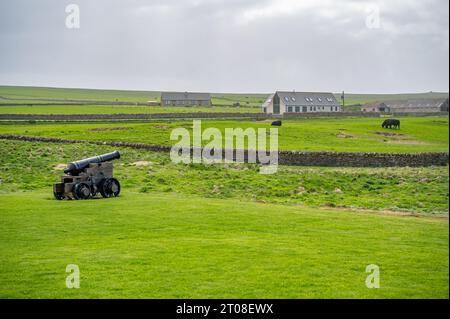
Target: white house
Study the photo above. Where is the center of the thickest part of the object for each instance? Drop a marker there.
(300, 102)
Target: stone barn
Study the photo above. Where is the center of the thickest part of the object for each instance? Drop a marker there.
(408, 106)
(282, 102)
(185, 99)
(379, 107)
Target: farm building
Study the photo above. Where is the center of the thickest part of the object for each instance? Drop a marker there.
(421, 106)
(185, 98)
(379, 107)
(300, 102)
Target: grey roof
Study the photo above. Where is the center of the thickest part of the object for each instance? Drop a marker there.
(293, 98)
(185, 96)
(423, 103)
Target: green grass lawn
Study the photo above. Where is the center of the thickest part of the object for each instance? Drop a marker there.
(420, 134)
(172, 246)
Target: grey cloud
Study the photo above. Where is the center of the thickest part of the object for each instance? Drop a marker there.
(213, 45)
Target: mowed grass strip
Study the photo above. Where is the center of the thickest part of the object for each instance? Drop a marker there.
(417, 134)
(173, 246)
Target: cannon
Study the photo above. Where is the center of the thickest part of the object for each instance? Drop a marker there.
(86, 178)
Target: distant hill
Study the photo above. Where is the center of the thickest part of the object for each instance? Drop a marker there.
(39, 94)
(366, 98)
(36, 94)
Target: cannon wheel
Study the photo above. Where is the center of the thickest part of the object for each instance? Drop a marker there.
(94, 190)
(110, 187)
(81, 191)
(58, 196)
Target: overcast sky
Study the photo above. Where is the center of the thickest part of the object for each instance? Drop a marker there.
(384, 46)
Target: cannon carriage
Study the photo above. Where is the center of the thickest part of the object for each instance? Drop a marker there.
(86, 178)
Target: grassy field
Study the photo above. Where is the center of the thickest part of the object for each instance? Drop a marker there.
(361, 99)
(118, 109)
(221, 231)
(195, 231)
(30, 166)
(20, 94)
(423, 134)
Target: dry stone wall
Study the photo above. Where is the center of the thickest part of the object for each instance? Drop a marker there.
(333, 159)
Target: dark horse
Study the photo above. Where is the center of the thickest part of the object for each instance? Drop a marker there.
(391, 123)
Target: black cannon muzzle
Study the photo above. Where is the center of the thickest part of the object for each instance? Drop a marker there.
(82, 164)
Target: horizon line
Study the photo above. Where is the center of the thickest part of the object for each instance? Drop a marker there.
(211, 92)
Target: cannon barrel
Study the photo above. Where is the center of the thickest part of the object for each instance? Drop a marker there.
(82, 164)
